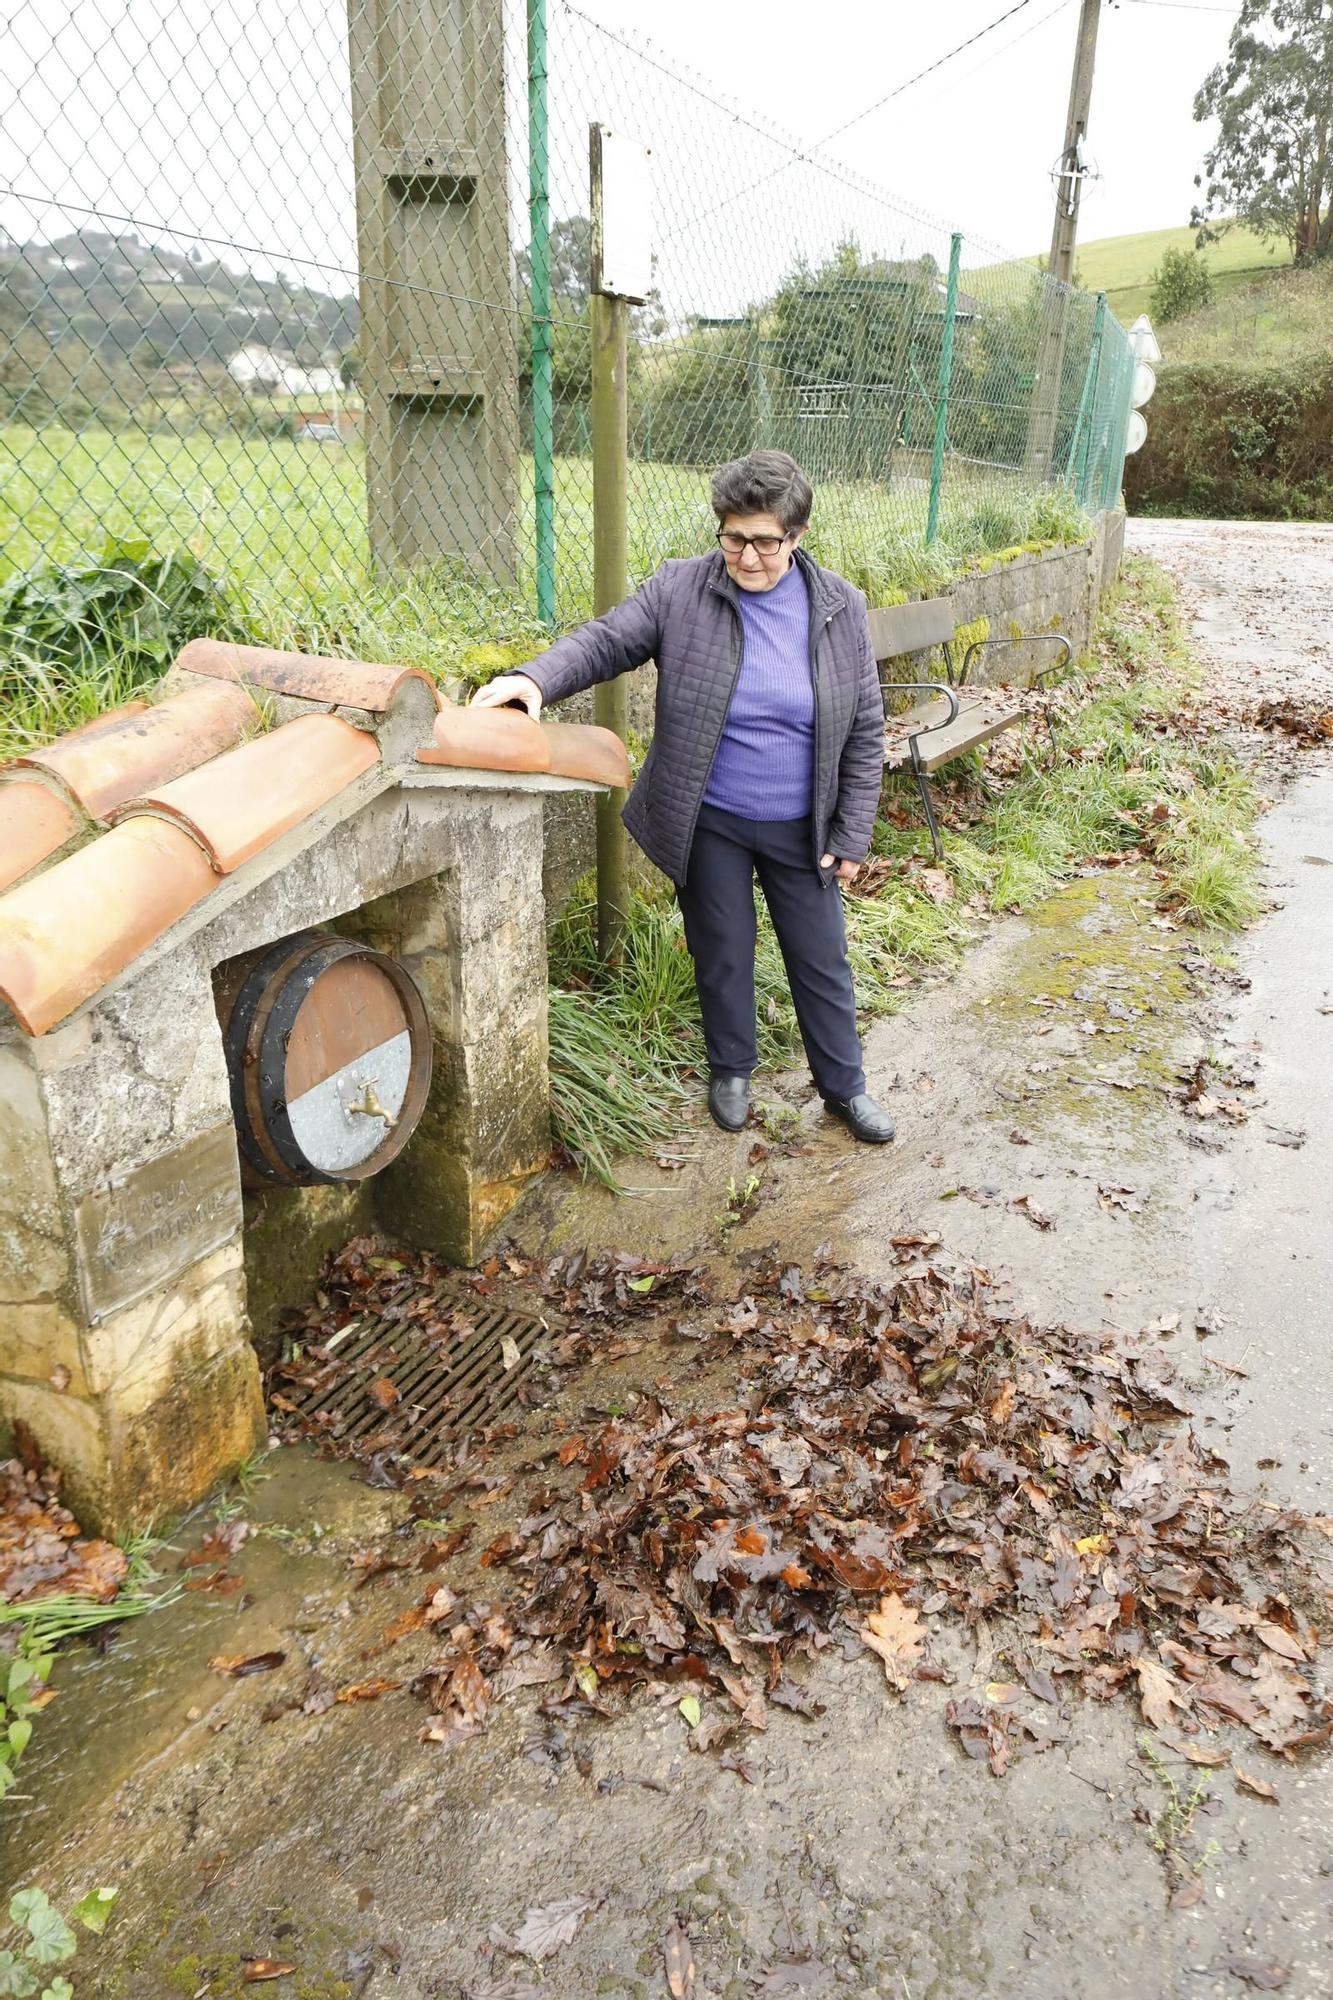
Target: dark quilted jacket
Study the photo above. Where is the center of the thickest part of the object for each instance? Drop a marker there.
(687, 618)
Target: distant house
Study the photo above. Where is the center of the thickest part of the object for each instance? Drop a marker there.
(270, 371)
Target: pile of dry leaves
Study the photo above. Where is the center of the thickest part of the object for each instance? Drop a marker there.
(41, 1548)
(888, 1457)
(1307, 722)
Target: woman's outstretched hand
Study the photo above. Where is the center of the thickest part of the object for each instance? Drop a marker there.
(847, 870)
(506, 688)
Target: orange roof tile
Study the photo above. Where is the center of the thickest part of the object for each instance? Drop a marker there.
(34, 822)
(69, 930)
(238, 803)
(487, 739)
(138, 747)
(582, 750)
(109, 719)
(191, 800)
(344, 683)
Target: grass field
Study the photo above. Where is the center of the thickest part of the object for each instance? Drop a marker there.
(1273, 321)
(281, 525)
(1122, 266)
(281, 517)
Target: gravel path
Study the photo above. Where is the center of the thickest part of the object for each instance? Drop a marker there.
(1260, 597)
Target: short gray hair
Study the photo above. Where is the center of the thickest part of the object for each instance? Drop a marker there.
(766, 482)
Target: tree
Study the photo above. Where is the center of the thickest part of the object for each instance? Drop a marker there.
(570, 260)
(852, 319)
(1181, 284)
(1271, 166)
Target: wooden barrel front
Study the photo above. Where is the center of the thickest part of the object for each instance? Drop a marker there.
(329, 1056)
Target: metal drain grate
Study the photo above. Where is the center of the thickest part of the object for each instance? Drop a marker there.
(440, 1394)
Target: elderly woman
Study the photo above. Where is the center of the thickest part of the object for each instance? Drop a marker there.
(766, 760)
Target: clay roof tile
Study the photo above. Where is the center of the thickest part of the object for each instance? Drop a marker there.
(486, 739)
(582, 750)
(238, 803)
(368, 684)
(69, 930)
(34, 822)
(138, 747)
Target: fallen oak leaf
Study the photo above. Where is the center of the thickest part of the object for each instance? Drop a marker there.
(545, 1930)
(255, 1969)
(1282, 1697)
(1266, 1975)
(223, 1581)
(1159, 1692)
(1259, 1786)
(238, 1665)
(894, 1632)
(1197, 1753)
(382, 1392)
(678, 1958)
(366, 1690)
(1279, 1640)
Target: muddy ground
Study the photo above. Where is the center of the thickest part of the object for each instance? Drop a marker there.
(869, 1856)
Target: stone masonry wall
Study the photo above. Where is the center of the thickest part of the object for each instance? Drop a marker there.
(124, 1332)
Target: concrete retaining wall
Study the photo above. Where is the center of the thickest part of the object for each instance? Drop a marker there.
(1056, 591)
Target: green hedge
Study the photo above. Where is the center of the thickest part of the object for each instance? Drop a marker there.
(1238, 443)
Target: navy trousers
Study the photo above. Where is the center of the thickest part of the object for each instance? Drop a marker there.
(717, 902)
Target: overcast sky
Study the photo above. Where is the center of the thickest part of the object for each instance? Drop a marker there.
(229, 119)
(975, 141)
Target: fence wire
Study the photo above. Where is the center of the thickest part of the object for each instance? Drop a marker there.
(266, 307)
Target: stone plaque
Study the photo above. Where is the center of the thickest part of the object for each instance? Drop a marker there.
(139, 1231)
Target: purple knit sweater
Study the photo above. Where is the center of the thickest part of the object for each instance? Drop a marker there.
(764, 767)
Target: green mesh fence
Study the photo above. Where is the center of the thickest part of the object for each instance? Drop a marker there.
(266, 297)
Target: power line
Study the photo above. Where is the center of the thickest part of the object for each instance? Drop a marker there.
(276, 257)
(995, 55)
(806, 158)
(929, 70)
(1188, 6)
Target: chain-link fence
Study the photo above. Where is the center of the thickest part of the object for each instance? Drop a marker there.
(268, 287)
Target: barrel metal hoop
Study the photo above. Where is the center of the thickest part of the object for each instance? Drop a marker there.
(287, 1004)
(235, 1040)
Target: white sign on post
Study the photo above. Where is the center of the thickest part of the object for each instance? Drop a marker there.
(622, 209)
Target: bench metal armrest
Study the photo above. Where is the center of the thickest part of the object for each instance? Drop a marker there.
(922, 687)
(1036, 639)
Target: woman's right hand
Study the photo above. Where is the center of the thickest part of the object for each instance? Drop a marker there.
(507, 688)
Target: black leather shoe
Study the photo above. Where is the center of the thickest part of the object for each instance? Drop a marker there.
(728, 1101)
(863, 1118)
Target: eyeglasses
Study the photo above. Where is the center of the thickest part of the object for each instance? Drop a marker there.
(763, 545)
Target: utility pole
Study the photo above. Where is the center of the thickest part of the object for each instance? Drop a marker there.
(539, 230)
(1060, 264)
(621, 273)
(439, 373)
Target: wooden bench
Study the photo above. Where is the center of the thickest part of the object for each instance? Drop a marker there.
(953, 718)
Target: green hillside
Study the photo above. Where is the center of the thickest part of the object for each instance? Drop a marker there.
(1122, 266)
(1277, 318)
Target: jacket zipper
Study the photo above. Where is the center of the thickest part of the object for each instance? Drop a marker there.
(726, 709)
(816, 633)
